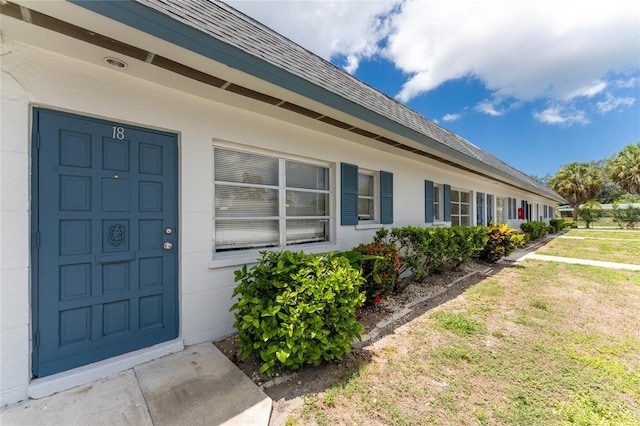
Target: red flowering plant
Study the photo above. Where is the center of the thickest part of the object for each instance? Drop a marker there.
(380, 265)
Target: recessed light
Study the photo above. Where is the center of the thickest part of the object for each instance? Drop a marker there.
(115, 62)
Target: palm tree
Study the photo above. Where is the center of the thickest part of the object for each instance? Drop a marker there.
(624, 168)
(577, 183)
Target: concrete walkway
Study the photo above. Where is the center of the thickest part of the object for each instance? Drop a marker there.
(611, 265)
(528, 252)
(198, 386)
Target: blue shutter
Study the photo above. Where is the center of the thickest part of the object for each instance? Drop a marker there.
(386, 197)
(446, 201)
(489, 208)
(510, 208)
(428, 201)
(349, 194)
(479, 208)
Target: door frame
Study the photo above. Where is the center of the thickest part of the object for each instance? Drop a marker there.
(35, 220)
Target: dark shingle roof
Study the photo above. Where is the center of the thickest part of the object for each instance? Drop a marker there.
(230, 26)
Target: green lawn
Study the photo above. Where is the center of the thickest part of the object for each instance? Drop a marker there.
(537, 344)
(608, 246)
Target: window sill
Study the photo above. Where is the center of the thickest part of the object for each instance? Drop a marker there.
(369, 226)
(227, 260)
(440, 224)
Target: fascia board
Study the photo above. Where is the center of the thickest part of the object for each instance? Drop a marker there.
(157, 24)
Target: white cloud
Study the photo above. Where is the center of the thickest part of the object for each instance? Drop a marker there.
(559, 114)
(588, 91)
(451, 117)
(524, 50)
(560, 52)
(612, 102)
(626, 84)
(487, 107)
(329, 28)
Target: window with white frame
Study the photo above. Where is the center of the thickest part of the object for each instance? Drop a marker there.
(267, 201)
(366, 196)
(460, 207)
(437, 203)
(501, 210)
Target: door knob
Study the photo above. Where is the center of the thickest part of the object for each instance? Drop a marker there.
(167, 246)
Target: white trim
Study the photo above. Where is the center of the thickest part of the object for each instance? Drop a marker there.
(251, 255)
(369, 226)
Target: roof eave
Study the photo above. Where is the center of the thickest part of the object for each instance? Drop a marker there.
(155, 23)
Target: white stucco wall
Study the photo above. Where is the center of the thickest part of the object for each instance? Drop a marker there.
(34, 77)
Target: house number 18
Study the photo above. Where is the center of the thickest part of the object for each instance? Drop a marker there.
(118, 133)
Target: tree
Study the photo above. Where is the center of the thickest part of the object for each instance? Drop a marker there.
(611, 192)
(577, 183)
(543, 180)
(590, 212)
(624, 168)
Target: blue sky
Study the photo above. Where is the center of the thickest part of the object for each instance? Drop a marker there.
(537, 84)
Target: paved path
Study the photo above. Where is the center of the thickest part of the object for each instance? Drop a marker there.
(611, 265)
(598, 238)
(198, 386)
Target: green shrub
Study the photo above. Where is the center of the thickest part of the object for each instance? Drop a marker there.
(466, 242)
(590, 212)
(423, 251)
(501, 242)
(412, 243)
(379, 264)
(629, 217)
(535, 229)
(556, 225)
(570, 224)
(297, 309)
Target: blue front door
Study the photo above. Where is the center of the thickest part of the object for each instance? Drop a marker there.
(104, 250)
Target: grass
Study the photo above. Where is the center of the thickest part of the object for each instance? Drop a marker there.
(622, 247)
(605, 222)
(457, 322)
(538, 344)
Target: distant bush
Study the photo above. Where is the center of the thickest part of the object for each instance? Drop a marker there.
(501, 242)
(556, 225)
(590, 212)
(570, 224)
(626, 218)
(535, 229)
(297, 309)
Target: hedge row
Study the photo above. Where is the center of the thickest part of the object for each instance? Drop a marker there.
(295, 308)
